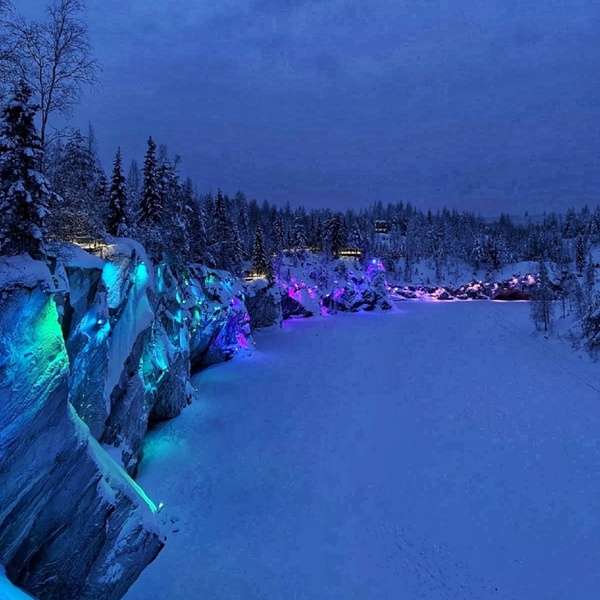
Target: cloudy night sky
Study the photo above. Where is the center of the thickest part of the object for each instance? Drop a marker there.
(489, 105)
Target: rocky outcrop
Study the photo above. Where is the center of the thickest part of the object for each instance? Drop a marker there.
(133, 345)
(72, 523)
(105, 340)
(220, 323)
(293, 305)
(354, 292)
(263, 302)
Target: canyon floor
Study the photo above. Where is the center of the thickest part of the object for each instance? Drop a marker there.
(440, 451)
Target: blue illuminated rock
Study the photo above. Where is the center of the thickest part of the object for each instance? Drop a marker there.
(73, 525)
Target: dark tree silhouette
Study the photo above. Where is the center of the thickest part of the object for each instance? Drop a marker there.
(24, 191)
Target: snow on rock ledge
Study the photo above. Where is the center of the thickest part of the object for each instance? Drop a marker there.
(72, 523)
(10, 592)
(219, 321)
(134, 331)
(263, 301)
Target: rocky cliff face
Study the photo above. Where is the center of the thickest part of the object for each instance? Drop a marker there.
(314, 286)
(72, 523)
(264, 303)
(91, 352)
(134, 332)
(219, 320)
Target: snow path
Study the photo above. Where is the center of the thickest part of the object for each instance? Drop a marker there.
(440, 452)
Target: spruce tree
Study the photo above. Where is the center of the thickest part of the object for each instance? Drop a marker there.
(118, 214)
(580, 255)
(278, 236)
(201, 241)
(151, 210)
(237, 250)
(335, 234)
(133, 188)
(542, 307)
(299, 237)
(589, 277)
(81, 184)
(150, 202)
(24, 191)
(590, 326)
(260, 264)
(223, 236)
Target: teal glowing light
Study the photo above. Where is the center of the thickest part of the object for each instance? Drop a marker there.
(141, 275)
(160, 284)
(144, 496)
(110, 275)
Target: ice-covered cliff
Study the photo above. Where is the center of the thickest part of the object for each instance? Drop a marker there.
(72, 523)
(92, 351)
(134, 332)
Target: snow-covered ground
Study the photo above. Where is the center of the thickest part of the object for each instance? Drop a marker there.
(8, 591)
(442, 451)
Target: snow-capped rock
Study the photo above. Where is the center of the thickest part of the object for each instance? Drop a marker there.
(263, 302)
(61, 495)
(219, 321)
(8, 591)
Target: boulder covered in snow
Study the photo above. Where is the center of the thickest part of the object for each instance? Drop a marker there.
(219, 320)
(263, 302)
(73, 525)
(355, 291)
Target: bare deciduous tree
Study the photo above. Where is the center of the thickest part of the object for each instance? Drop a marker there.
(7, 43)
(54, 58)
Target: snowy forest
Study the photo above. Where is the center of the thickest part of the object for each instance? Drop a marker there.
(119, 282)
(54, 189)
(59, 192)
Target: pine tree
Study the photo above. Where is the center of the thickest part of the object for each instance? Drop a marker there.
(580, 255)
(260, 264)
(542, 307)
(237, 250)
(24, 191)
(150, 202)
(133, 188)
(590, 326)
(335, 234)
(119, 221)
(223, 236)
(299, 237)
(81, 184)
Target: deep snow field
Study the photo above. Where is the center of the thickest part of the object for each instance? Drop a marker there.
(442, 451)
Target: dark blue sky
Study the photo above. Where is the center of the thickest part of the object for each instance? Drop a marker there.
(489, 105)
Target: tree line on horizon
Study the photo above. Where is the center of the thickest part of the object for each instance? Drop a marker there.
(76, 199)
